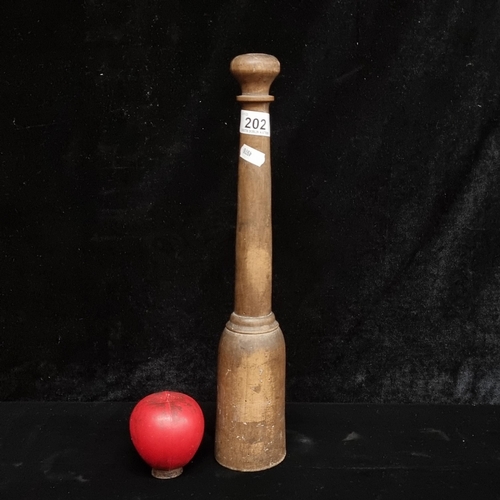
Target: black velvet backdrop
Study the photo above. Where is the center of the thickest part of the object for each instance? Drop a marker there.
(119, 151)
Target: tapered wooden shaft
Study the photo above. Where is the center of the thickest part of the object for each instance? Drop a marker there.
(250, 425)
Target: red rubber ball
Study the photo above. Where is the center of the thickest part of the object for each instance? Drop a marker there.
(166, 429)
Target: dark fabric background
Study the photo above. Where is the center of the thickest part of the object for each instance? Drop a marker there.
(119, 151)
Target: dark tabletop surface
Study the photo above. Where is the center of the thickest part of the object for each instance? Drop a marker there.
(83, 450)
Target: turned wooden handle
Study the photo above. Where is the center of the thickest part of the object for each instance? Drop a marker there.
(253, 279)
(250, 424)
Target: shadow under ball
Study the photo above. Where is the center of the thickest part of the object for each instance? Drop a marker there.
(250, 420)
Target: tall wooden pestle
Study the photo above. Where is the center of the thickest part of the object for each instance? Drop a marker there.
(250, 421)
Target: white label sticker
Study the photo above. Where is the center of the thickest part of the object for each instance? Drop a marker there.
(255, 123)
(252, 155)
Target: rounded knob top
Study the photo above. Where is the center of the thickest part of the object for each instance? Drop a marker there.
(255, 72)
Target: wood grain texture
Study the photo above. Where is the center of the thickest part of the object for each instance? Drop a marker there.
(250, 425)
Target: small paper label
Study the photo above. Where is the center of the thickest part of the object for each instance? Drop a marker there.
(252, 155)
(255, 123)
